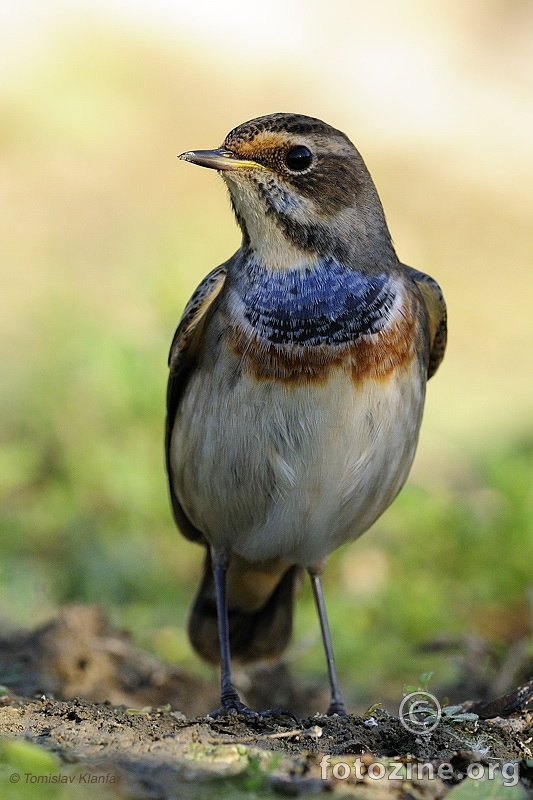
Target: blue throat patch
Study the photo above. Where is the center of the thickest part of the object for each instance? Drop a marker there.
(328, 304)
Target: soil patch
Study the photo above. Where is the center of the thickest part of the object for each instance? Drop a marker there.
(138, 732)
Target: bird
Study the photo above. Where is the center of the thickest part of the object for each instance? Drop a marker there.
(297, 380)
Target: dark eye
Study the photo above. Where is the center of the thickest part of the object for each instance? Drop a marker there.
(298, 158)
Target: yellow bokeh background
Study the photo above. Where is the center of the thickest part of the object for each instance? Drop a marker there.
(437, 96)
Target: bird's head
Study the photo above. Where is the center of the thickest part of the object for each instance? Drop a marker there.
(300, 191)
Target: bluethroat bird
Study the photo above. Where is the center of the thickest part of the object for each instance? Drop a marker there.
(297, 383)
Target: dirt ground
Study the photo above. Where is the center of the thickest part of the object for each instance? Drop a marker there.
(141, 731)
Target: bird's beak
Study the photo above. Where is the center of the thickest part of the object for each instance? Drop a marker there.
(220, 159)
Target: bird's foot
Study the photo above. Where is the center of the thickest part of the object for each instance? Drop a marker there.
(336, 707)
(232, 706)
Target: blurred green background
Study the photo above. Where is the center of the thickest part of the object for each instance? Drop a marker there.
(104, 235)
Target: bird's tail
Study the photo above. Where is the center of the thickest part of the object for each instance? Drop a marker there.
(260, 610)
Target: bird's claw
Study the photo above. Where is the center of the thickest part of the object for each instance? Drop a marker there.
(232, 707)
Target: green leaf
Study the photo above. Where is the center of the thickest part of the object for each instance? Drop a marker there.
(450, 711)
(425, 679)
(27, 757)
(368, 713)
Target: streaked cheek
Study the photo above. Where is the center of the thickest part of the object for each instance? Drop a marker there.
(283, 200)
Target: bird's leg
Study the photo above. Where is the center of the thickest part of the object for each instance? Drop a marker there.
(337, 705)
(231, 702)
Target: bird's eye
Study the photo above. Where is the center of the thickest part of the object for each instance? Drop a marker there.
(298, 158)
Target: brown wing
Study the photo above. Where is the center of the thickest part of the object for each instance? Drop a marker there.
(182, 360)
(433, 299)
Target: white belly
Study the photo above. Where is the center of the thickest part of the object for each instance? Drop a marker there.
(267, 470)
